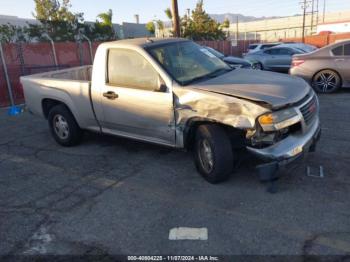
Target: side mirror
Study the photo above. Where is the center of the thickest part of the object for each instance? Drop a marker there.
(162, 88)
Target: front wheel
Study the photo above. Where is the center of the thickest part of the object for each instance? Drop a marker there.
(63, 126)
(213, 153)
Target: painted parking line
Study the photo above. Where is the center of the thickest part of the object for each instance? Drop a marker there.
(188, 233)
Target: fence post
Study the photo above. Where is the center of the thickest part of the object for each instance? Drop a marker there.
(21, 58)
(90, 47)
(53, 49)
(9, 88)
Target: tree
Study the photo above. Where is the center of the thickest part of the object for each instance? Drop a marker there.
(12, 33)
(103, 28)
(200, 25)
(53, 10)
(106, 18)
(168, 13)
(160, 27)
(150, 27)
(56, 20)
(226, 23)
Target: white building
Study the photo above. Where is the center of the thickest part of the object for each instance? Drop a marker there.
(336, 27)
(289, 27)
(16, 21)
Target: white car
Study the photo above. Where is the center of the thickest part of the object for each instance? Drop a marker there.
(257, 47)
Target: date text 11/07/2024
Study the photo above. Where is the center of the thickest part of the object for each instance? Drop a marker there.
(173, 258)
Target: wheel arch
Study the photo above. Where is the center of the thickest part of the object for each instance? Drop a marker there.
(193, 124)
(48, 103)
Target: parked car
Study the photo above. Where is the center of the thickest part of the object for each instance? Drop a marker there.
(276, 59)
(258, 47)
(231, 60)
(326, 69)
(173, 93)
(306, 48)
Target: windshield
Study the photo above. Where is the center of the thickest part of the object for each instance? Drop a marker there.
(188, 62)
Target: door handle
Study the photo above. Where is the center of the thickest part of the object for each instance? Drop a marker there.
(339, 60)
(110, 95)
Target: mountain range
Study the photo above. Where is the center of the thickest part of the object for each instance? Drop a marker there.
(241, 18)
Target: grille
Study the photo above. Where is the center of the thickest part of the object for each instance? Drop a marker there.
(309, 110)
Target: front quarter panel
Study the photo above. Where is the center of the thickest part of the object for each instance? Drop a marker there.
(190, 103)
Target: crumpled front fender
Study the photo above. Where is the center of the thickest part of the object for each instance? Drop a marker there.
(191, 104)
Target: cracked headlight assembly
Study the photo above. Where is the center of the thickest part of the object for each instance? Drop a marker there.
(279, 120)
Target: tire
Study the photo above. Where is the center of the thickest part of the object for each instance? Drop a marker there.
(326, 81)
(257, 66)
(63, 126)
(212, 143)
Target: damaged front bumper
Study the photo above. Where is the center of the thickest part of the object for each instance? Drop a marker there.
(287, 150)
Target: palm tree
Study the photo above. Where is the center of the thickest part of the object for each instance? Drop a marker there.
(160, 26)
(104, 24)
(168, 13)
(106, 18)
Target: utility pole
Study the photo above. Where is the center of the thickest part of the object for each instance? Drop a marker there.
(324, 10)
(304, 6)
(317, 15)
(312, 15)
(176, 22)
(237, 30)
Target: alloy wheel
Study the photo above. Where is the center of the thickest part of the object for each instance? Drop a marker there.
(326, 81)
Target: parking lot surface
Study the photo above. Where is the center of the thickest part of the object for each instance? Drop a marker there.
(115, 196)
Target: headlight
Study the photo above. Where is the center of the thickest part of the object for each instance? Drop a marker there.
(279, 120)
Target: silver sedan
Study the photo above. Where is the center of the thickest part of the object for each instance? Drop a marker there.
(276, 59)
(326, 69)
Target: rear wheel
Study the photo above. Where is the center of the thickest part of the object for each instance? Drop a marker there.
(63, 126)
(213, 153)
(257, 66)
(326, 81)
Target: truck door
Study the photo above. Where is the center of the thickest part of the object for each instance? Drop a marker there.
(135, 101)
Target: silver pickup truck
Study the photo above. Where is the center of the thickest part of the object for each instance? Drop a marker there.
(175, 93)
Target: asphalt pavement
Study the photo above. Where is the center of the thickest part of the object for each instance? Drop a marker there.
(112, 196)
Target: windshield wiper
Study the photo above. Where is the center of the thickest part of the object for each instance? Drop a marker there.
(213, 74)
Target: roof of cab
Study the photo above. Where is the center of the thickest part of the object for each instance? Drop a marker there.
(143, 42)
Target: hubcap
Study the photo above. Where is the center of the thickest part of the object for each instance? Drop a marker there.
(60, 126)
(206, 155)
(326, 81)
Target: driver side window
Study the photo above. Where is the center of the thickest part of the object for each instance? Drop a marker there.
(127, 68)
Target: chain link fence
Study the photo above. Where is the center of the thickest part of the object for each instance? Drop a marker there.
(31, 58)
(25, 59)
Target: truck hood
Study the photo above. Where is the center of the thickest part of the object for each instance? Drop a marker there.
(275, 89)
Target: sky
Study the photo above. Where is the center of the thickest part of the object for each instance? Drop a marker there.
(154, 9)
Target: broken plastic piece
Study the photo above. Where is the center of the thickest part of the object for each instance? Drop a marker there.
(319, 175)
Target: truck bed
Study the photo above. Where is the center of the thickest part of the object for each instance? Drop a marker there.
(82, 73)
(69, 86)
